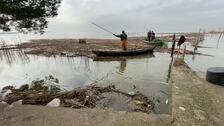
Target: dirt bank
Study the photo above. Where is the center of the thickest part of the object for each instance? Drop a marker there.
(46, 116)
(195, 101)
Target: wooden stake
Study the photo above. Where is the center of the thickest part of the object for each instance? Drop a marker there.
(173, 46)
(184, 51)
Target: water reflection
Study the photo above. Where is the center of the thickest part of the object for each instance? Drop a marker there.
(123, 65)
(219, 39)
(16, 55)
(146, 72)
(169, 70)
(10, 55)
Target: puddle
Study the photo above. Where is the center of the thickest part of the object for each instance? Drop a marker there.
(147, 74)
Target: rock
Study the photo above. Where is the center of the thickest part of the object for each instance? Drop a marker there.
(167, 101)
(182, 108)
(132, 93)
(139, 102)
(176, 87)
(54, 103)
(69, 54)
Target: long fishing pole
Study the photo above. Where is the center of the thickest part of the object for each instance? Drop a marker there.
(102, 28)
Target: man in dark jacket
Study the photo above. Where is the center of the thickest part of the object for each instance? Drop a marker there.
(149, 35)
(153, 35)
(124, 39)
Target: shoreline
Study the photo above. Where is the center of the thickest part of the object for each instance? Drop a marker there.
(191, 102)
(83, 47)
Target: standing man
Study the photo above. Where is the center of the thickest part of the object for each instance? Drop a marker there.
(124, 39)
(153, 35)
(149, 35)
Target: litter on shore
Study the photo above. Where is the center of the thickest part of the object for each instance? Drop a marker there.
(89, 97)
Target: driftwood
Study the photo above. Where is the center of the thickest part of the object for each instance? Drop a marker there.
(78, 98)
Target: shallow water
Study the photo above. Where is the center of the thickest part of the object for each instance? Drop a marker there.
(202, 63)
(148, 73)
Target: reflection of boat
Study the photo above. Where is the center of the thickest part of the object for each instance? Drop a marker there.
(122, 58)
(123, 53)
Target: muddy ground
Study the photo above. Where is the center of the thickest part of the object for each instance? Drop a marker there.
(194, 100)
(48, 116)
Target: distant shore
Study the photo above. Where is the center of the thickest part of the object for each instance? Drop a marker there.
(84, 47)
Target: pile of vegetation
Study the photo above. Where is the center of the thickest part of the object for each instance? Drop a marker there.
(41, 92)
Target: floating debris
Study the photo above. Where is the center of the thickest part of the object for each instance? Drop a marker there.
(167, 101)
(43, 92)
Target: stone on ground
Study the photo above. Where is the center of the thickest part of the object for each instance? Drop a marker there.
(54, 103)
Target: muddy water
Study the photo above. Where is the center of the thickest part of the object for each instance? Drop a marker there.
(147, 73)
(216, 50)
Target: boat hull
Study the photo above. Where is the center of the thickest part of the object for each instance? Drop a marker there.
(123, 53)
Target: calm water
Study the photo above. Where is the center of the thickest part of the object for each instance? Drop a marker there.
(202, 63)
(149, 73)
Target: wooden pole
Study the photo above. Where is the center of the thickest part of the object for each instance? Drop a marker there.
(184, 51)
(219, 40)
(178, 52)
(173, 46)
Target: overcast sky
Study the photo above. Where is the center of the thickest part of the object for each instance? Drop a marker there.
(75, 16)
(134, 15)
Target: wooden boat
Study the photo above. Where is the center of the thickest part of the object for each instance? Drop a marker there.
(123, 53)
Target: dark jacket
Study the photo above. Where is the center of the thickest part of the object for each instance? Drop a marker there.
(153, 35)
(123, 36)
